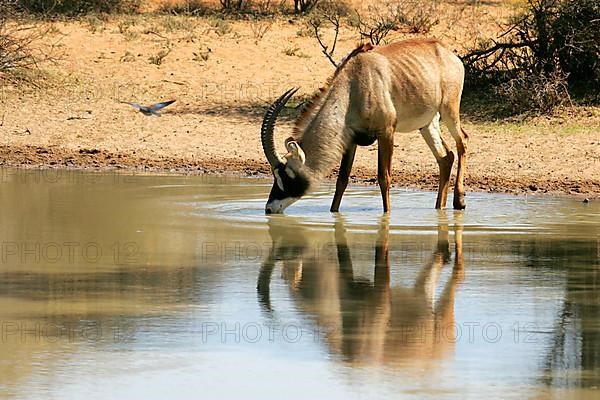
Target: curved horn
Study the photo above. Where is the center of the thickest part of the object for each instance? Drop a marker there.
(268, 127)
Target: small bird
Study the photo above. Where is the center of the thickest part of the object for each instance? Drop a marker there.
(150, 110)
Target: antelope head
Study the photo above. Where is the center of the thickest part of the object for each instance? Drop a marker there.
(291, 177)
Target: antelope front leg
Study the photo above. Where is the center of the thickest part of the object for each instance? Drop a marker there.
(384, 168)
(343, 177)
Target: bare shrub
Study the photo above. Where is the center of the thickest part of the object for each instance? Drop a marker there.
(260, 28)
(552, 43)
(77, 7)
(23, 48)
(328, 13)
(576, 32)
(382, 18)
(234, 5)
(94, 23)
(220, 26)
(202, 55)
(189, 7)
(174, 23)
(269, 7)
(295, 52)
(418, 16)
(541, 93)
(376, 26)
(159, 57)
(520, 48)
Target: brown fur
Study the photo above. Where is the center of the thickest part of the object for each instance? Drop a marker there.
(312, 104)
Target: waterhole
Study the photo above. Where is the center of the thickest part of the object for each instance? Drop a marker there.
(123, 285)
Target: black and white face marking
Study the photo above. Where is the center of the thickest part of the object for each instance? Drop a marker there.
(288, 187)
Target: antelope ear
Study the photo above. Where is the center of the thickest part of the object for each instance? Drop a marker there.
(294, 150)
(278, 180)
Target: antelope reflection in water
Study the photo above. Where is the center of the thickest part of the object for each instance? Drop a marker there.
(375, 320)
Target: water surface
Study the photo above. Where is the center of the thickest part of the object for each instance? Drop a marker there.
(142, 286)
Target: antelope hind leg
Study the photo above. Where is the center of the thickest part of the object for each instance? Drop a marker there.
(450, 116)
(443, 155)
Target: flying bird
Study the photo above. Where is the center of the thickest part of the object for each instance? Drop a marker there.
(150, 110)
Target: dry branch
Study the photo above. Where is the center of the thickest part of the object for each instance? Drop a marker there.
(22, 47)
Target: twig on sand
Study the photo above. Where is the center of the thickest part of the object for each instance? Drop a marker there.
(158, 34)
(71, 118)
(174, 82)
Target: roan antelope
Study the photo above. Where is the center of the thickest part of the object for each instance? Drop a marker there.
(375, 92)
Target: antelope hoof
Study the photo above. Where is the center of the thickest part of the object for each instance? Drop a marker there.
(459, 201)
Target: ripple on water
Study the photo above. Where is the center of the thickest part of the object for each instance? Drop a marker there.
(412, 211)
